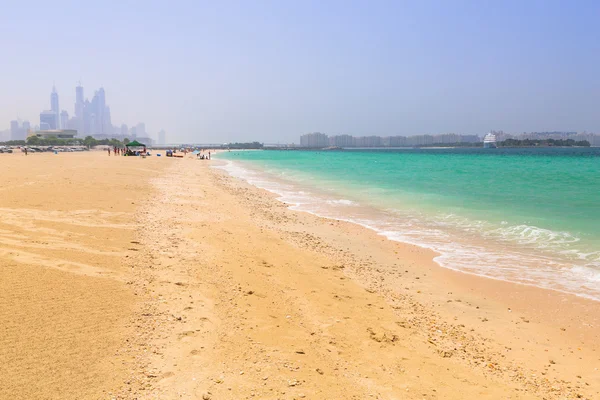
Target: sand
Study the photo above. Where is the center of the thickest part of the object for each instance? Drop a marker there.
(165, 278)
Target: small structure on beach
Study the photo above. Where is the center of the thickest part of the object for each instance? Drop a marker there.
(135, 148)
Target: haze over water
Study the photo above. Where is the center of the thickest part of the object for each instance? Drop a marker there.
(530, 216)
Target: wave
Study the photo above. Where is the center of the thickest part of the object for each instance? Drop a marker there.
(523, 254)
(342, 202)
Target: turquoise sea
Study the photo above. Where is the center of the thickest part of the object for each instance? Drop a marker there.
(530, 216)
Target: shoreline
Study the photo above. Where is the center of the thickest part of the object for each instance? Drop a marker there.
(546, 308)
(289, 191)
(502, 315)
(229, 294)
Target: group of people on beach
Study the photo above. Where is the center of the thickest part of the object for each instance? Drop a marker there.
(203, 156)
(117, 151)
(122, 151)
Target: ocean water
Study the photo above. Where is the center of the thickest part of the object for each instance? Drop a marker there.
(530, 216)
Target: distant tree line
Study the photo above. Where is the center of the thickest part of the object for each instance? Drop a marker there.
(91, 142)
(543, 142)
(253, 145)
(88, 141)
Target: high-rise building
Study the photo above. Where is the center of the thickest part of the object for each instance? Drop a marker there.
(14, 130)
(79, 110)
(99, 110)
(341, 141)
(92, 121)
(87, 117)
(314, 140)
(124, 130)
(48, 120)
(95, 114)
(162, 137)
(107, 124)
(79, 94)
(141, 129)
(54, 106)
(64, 119)
(26, 127)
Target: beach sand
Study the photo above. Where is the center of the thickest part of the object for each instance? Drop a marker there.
(164, 278)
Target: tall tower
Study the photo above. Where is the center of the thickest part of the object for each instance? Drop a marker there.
(14, 130)
(64, 119)
(79, 109)
(54, 106)
(99, 109)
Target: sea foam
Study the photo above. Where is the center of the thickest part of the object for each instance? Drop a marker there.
(523, 254)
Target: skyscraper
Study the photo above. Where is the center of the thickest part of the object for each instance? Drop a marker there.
(48, 120)
(98, 110)
(87, 117)
(162, 137)
(107, 123)
(54, 106)
(14, 130)
(79, 110)
(64, 119)
(140, 129)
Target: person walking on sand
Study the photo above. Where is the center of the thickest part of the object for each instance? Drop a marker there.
(25, 150)
(109, 151)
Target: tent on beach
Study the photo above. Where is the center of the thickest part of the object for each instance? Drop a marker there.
(135, 148)
(135, 143)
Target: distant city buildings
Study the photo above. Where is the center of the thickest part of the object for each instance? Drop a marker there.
(19, 130)
(54, 108)
(162, 137)
(90, 118)
(320, 140)
(341, 141)
(64, 120)
(79, 120)
(315, 139)
(141, 129)
(48, 120)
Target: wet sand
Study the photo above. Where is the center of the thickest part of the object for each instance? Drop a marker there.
(206, 287)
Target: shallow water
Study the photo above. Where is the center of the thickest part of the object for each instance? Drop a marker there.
(530, 216)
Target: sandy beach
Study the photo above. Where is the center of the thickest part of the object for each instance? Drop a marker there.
(164, 278)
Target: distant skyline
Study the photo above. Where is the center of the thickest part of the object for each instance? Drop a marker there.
(273, 70)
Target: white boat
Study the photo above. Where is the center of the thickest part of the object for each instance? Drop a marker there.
(489, 141)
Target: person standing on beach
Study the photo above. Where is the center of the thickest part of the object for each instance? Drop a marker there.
(109, 151)
(25, 150)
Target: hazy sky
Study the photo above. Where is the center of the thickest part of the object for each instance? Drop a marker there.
(220, 71)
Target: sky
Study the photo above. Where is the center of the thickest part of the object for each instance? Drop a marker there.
(222, 71)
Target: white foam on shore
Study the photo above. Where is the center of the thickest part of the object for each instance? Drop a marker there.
(521, 254)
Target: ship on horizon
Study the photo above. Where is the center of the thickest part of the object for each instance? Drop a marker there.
(489, 141)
